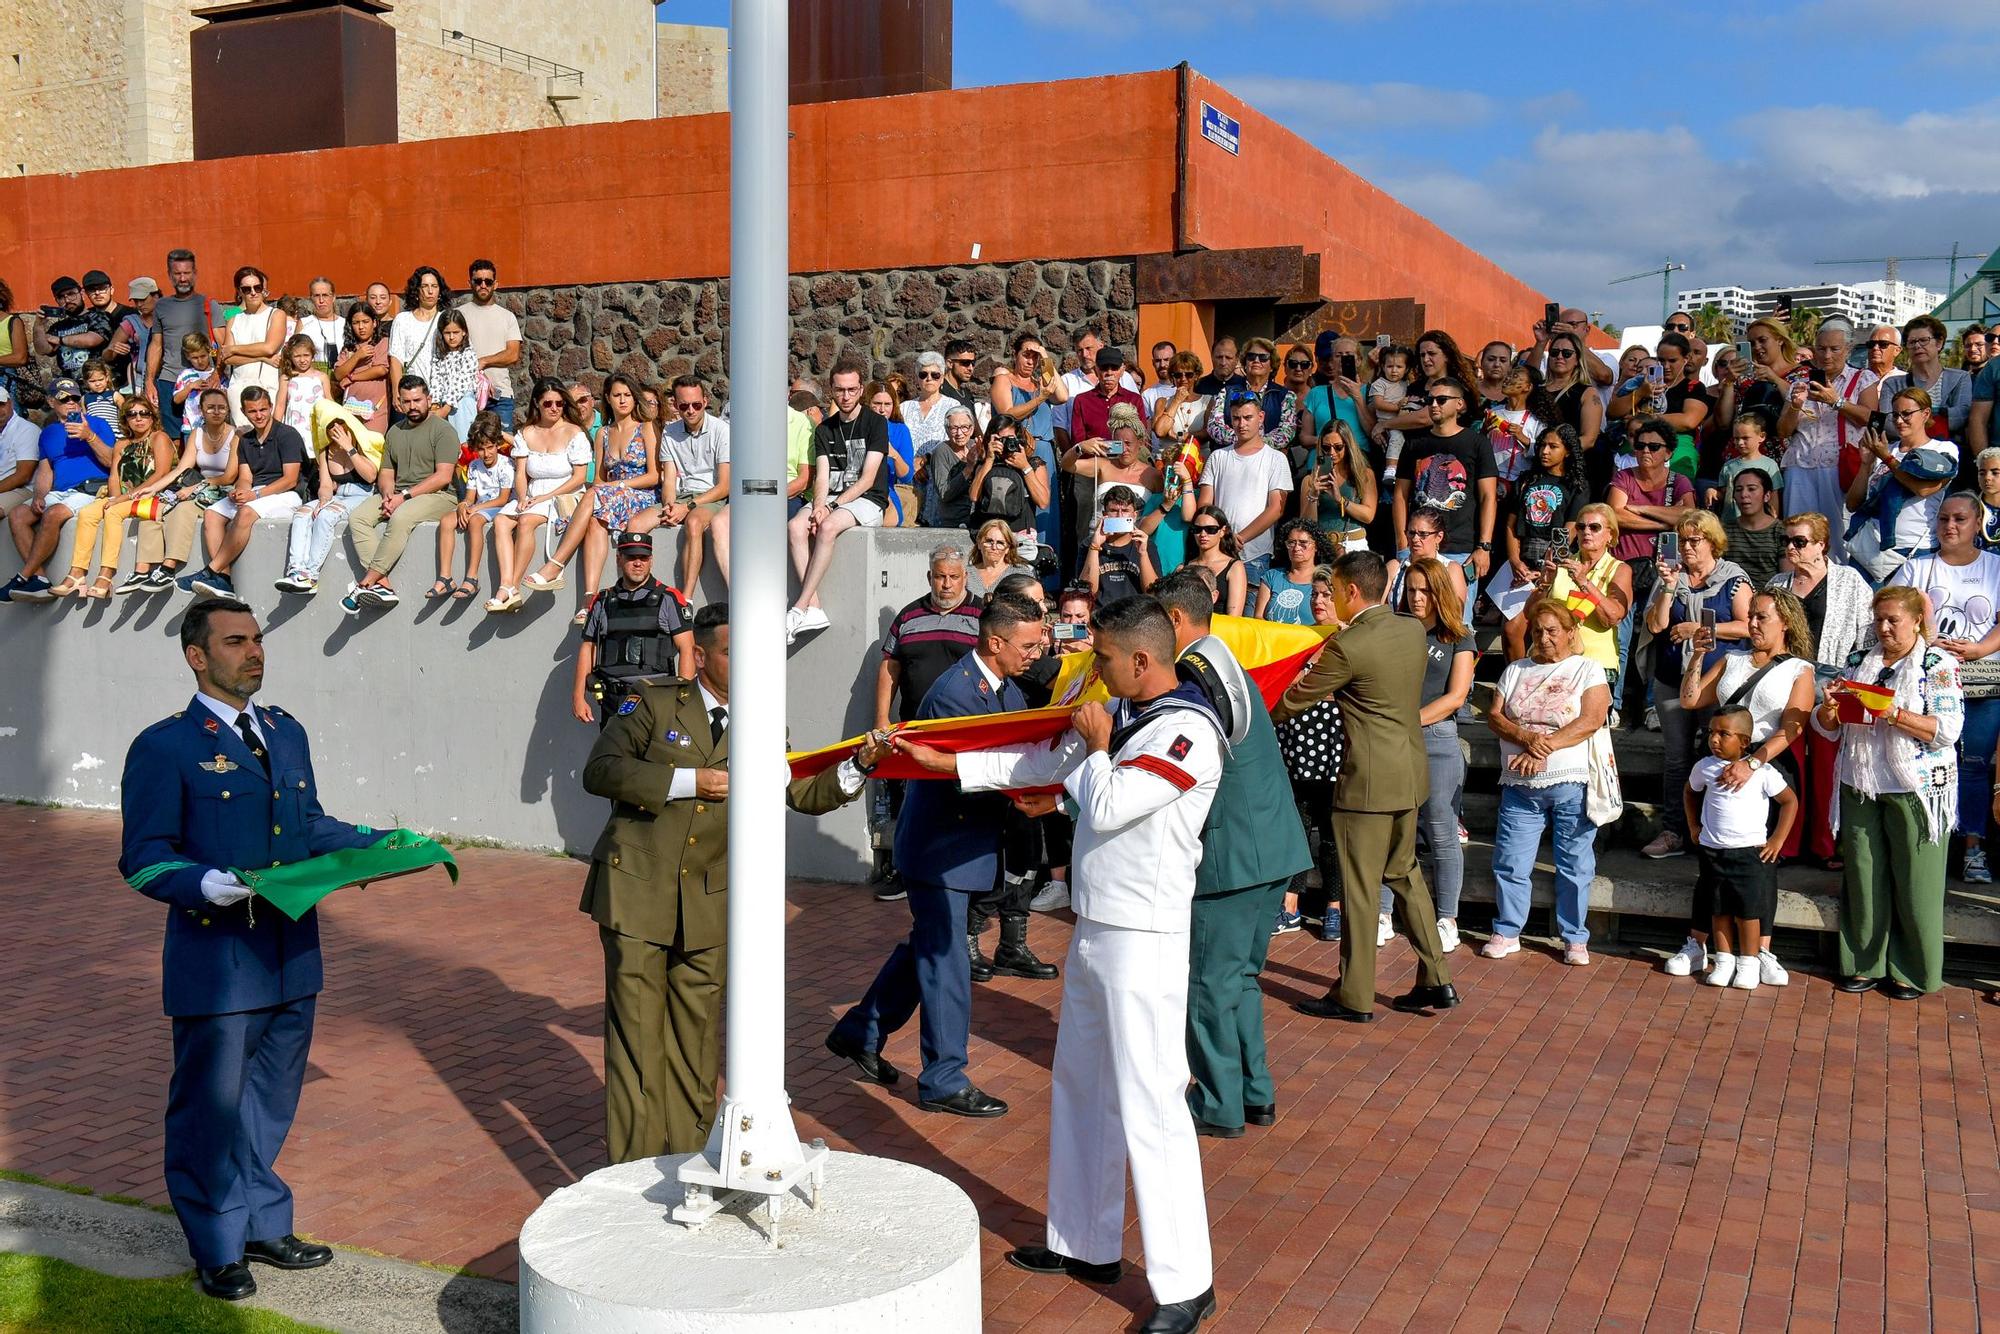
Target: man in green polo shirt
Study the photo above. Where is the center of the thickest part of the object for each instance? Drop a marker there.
(413, 486)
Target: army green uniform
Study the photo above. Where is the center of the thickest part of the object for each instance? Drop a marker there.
(1250, 852)
(658, 891)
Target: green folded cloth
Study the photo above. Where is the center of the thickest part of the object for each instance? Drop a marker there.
(298, 886)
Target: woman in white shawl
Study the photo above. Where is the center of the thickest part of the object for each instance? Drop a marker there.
(1897, 800)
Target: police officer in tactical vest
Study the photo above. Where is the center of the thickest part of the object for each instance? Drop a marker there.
(636, 630)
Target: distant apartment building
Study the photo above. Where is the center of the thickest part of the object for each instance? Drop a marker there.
(1865, 304)
(91, 85)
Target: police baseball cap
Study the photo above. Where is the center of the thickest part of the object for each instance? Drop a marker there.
(635, 544)
(96, 278)
(64, 388)
(64, 284)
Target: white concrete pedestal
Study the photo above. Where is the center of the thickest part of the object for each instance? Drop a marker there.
(891, 1247)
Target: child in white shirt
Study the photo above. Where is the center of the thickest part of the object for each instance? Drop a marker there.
(1735, 847)
(1385, 398)
(489, 486)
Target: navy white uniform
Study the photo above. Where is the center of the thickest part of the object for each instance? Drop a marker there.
(1140, 811)
(240, 985)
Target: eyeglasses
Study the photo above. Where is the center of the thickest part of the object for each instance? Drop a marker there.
(930, 375)
(1908, 413)
(1692, 539)
(1439, 400)
(1256, 356)
(1205, 529)
(247, 288)
(993, 542)
(1881, 343)
(1798, 543)
(1424, 534)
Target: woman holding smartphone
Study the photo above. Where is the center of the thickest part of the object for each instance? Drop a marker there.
(1708, 598)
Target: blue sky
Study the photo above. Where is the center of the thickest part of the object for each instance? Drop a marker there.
(1577, 143)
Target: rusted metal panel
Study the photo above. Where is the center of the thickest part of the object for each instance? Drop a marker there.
(1402, 318)
(283, 76)
(844, 49)
(1268, 273)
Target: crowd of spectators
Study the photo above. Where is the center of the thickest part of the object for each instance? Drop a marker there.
(1708, 543)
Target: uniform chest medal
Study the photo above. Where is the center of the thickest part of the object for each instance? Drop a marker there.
(220, 765)
(677, 738)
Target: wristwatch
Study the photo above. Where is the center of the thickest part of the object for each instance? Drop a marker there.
(1486, 547)
(1754, 763)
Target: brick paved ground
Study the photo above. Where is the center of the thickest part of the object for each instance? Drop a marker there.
(1572, 1149)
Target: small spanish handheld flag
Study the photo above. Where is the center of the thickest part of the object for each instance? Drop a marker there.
(1859, 702)
(1272, 655)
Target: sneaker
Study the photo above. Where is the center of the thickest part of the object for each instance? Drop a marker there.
(1463, 837)
(133, 583)
(1721, 970)
(8, 589)
(30, 590)
(385, 596)
(792, 618)
(1385, 930)
(1975, 868)
(1499, 947)
(1665, 844)
(210, 584)
(186, 582)
(813, 618)
(1447, 934)
(891, 892)
(1612, 720)
(351, 604)
(1576, 954)
(1288, 922)
(1329, 927)
(1770, 971)
(1652, 720)
(1688, 960)
(1748, 974)
(1054, 897)
(159, 579)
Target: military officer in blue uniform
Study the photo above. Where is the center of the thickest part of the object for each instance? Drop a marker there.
(220, 785)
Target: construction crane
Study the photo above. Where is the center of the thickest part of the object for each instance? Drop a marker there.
(1665, 273)
(1891, 264)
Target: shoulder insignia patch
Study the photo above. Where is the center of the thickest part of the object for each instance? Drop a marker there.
(211, 725)
(1180, 748)
(627, 705)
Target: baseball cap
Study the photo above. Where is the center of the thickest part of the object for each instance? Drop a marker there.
(64, 284)
(58, 388)
(97, 278)
(6, 394)
(635, 544)
(140, 288)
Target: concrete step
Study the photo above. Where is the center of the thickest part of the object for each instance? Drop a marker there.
(1808, 898)
(1640, 823)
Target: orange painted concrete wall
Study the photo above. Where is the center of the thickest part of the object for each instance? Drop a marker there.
(895, 182)
(1280, 190)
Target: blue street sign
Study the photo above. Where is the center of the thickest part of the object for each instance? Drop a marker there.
(1220, 130)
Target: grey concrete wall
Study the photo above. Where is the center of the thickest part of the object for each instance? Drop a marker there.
(431, 715)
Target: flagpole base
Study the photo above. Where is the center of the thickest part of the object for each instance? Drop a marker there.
(891, 1247)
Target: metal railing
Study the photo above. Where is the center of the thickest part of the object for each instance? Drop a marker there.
(506, 56)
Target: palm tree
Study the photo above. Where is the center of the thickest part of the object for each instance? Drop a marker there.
(1803, 325)
(1713, 325)
(1608, 329)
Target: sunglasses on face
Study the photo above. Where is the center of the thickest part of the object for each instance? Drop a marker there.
(1647, 447)
(1440, 400)
(1907, 413)
(1798, 543)
(141, 414)
(1881, 343)
(1256, 356)
(247, 288)
(551, 403)
(68, 398)
(1423, 534)
(930, 375)
(488, 282)
(1590, 527)
(1555, 352)
(1181, 377)
(689, 407)
(1298, 365)
(962, 361)
(1205, 529)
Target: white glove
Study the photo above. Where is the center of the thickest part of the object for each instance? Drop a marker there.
(222, 889)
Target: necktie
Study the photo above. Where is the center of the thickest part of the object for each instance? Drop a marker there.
(250, 737)
(718, 722)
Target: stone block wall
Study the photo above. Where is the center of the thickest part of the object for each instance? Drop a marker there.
(655, 331)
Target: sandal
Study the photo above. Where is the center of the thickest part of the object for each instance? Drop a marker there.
(502, 599)
(99, 590)
(580, 617)
(466, 590)
(70, 587)
(442, 588)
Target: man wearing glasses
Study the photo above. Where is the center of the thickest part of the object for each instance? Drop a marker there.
(1449, 470)
(959, 360)
(75, 332)
(75, 462)
(496, 337)
(1950, 388)
(696, 446)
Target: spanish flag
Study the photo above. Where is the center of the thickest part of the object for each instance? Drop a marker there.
(1858, 701)
(1272, 655)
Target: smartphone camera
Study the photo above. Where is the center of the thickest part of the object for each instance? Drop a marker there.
(1119, 524)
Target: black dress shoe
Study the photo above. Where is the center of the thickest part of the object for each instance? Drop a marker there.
(870, 1063)
(1422, 1000)
(968, 1101)
(1180, 1317)
(288, 1252)
(1260, 1113)
(1901, 991)
(229, 1283)
(1329, 1007)
(1214, 1131)
(1042, 1260)
(1855, 985)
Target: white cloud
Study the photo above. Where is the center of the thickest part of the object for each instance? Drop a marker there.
(1324, 110)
